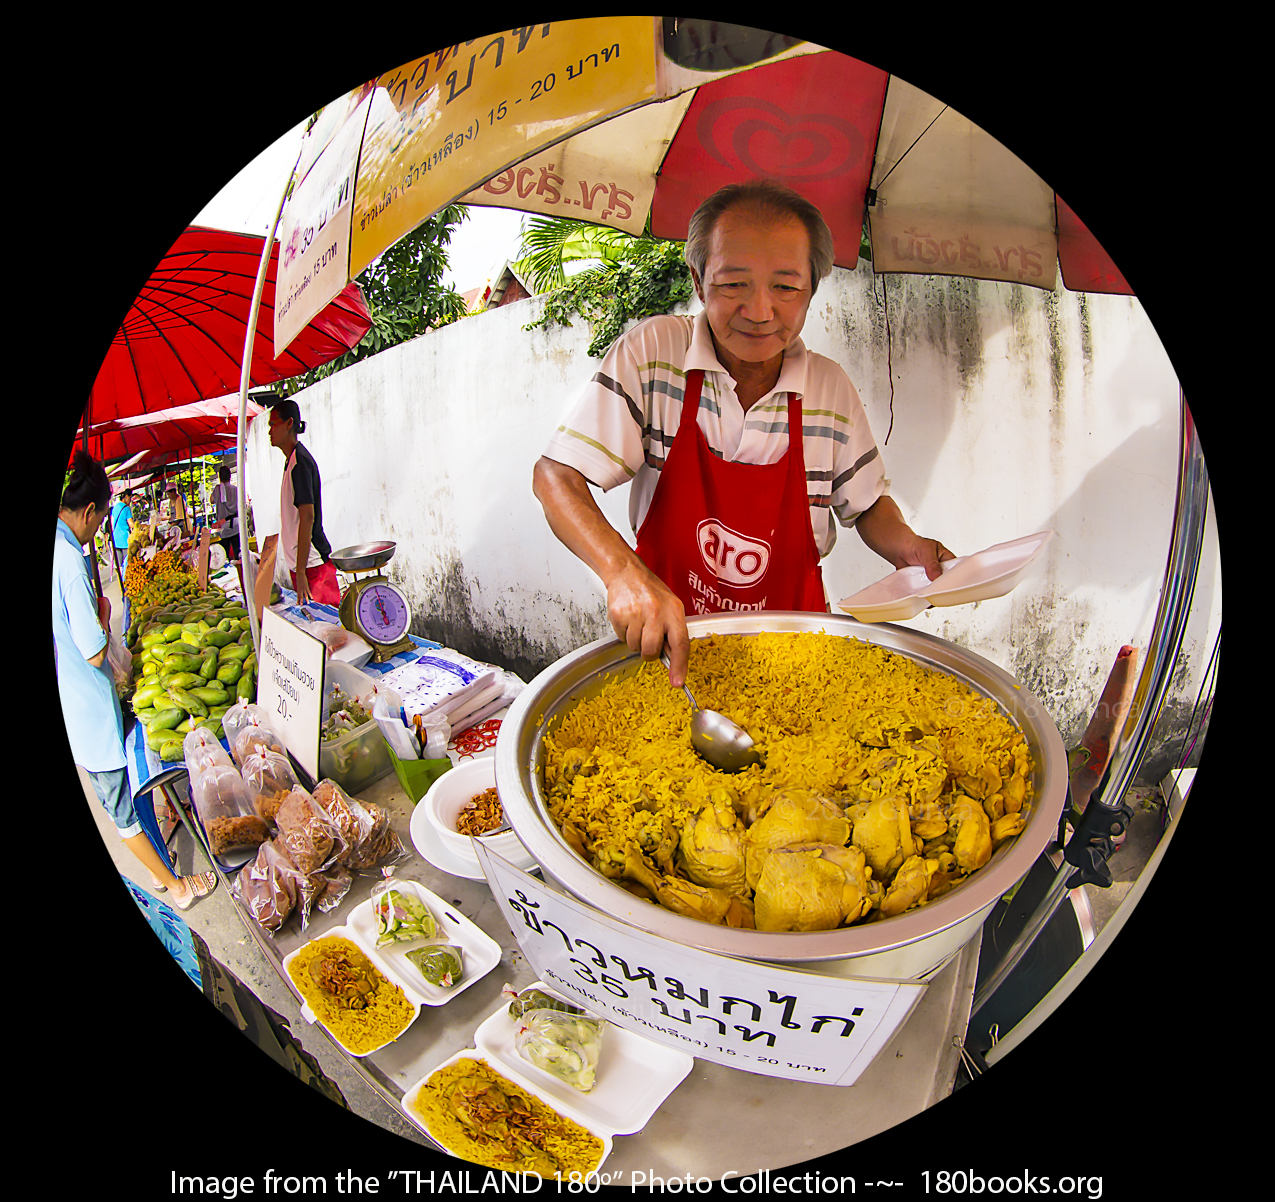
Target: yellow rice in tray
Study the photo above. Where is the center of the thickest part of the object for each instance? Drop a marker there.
(898, 777)
(473, 1111)
(388, 1012)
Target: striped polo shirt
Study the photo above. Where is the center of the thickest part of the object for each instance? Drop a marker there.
(623, 422)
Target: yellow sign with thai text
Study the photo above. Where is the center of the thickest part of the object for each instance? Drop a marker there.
(442, 124)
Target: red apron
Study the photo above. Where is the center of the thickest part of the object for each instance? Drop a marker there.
(731, 537)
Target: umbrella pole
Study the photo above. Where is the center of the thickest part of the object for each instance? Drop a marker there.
(245, 373)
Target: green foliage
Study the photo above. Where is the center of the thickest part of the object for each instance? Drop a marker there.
(639, 277)
(405, 294)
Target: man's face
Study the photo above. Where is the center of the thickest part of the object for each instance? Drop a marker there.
(279, 429)
(756, 286)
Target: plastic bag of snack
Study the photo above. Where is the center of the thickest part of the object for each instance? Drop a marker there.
(566, 1046)
(202, 749)
(268, 777)
(247, 728)
(381, 845)
(532, 998)
(401, 916)
(336, 884)
(311, 839)
(350, 817)
(440, 964)
(221, 801)
(268, 887)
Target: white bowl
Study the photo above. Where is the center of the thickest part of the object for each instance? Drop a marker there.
(450, 793)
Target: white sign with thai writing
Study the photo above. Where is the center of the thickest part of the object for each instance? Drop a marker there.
(779, 1022)
(290, 687)
(314, 238)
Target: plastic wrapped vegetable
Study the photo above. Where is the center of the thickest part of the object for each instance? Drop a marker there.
(567, 1046)
(535, 999)
(439, 965)
(401, 916)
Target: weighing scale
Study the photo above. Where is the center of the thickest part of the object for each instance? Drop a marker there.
(373, 608)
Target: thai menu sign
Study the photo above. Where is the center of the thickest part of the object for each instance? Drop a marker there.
(290, 687)
(777, 1022)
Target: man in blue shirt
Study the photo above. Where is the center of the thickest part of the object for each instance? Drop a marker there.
(121, 516)
(90, 705)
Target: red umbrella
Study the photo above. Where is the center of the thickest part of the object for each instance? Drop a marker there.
(182, 339)
(205, 423)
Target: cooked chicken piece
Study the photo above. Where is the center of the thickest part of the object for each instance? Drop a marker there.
(712, 852)
(1006, 827)
(673, 893)
(910, 887)
(883, 830)
(928, 821)
(981, 783)
(810, 887)
(973, 846)
(1016, 789)
(795, 816)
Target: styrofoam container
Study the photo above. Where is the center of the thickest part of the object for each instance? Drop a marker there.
(986, 574)
(634, 1075)
(479, 952)
(378, 961)
(450, 793)
(978, 577)
(514, 1078)
(894, 599)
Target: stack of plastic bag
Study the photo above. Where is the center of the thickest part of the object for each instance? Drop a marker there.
(444, 693)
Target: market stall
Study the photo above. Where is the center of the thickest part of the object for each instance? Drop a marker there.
(684, 1087)
(879, 1005)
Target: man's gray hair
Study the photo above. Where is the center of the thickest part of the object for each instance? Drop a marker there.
(771, 199)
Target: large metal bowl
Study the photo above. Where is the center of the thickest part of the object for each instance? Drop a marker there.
(363, 557)
(908, 946)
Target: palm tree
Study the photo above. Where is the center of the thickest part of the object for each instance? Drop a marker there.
(549, 243)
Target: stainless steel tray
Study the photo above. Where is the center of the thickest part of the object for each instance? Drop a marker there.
(363, 557)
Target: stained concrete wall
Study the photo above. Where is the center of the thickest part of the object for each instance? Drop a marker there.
(1001, 410)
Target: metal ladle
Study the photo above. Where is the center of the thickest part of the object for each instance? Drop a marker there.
(715, 737)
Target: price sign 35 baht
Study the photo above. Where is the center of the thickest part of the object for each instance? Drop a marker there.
(761, 1018)
(290, 687)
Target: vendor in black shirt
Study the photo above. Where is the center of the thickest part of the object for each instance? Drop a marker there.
(301, 537)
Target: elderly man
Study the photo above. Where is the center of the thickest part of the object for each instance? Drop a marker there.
(695, 412)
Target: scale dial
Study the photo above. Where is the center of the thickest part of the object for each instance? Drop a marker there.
(382, 613)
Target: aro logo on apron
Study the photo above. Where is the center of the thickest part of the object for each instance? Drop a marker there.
(734, 558)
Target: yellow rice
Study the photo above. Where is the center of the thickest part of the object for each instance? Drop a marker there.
(553, 1139)
(818, 706)
(385, 1018)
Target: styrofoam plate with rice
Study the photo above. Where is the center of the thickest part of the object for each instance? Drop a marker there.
(413, 998)
(516, 1079)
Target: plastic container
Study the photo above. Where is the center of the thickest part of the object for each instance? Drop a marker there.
(360, 756)
(981, 576)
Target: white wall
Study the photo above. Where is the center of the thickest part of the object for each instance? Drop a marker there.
(1013, 410)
